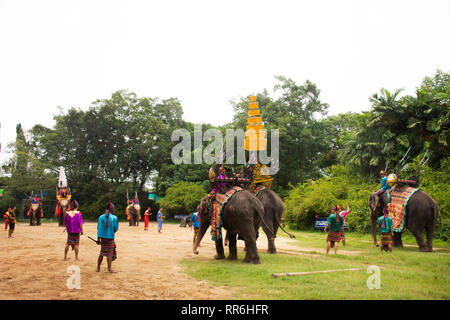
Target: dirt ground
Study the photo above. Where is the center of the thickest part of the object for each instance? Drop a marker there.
(148, 264)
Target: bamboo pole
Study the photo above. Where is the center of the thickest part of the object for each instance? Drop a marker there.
(275, 275)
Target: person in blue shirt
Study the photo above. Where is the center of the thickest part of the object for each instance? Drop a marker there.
(196, 224)
(384, 184)
(159, 219)
(107, 226)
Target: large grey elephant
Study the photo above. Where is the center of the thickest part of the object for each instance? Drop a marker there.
(421, 214)
(63, 207)
(273, 212)
(241, 216)
(35, 212)
(135, 212)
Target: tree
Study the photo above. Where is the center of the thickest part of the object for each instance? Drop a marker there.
(182, 198)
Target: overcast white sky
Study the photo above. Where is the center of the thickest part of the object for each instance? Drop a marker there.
(69, 53)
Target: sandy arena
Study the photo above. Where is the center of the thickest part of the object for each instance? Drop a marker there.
(32, 264)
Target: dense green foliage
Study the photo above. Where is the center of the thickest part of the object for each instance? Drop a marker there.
(182, 198)
(315, 198)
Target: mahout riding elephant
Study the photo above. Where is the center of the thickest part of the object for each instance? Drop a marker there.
(273, 211)
(242, 216)
(421, 214)
(35, 214)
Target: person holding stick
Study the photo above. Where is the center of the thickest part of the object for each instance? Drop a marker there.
(107, 226)
(335, 222)
(74, 226)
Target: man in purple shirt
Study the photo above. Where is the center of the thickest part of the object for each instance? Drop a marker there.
(74, 226)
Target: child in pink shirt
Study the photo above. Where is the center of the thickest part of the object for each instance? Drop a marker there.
(343, 214)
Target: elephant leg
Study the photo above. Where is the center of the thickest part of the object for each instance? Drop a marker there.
(420, 241)
(219, 249)
(430, 236)
(232, 246)
(374, 232)
(398, 240)
(271, 246)
(31, 219)
(251, 253)
(270, 238)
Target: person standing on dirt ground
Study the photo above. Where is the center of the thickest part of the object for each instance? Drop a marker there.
(107, 226)
(335, 222)
(159, 218)
(196, 224)
(387, 233)
(147, 214)
(343, 214)
(6, 216)
(12, 221)
(74, 226)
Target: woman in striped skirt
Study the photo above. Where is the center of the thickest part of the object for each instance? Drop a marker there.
(74, 226)
(335, 223)
(386, 226)
(107, 226)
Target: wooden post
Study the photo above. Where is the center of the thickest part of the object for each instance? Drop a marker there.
(275, 275)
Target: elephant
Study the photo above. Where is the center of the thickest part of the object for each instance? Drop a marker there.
(63, 206)
(35, 212)
(273, 211)
(241, 216)
(421, 214)
(135, 212)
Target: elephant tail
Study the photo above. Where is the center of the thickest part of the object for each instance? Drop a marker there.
(265, 224)
(435, 215)
(281, 227)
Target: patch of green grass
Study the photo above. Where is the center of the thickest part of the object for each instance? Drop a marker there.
(405, 273)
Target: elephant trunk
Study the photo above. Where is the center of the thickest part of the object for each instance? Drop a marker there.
(201, 233)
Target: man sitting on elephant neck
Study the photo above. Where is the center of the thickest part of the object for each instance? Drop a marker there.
(384, 183)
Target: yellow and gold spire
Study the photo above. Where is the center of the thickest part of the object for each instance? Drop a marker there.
(255, 140)
(255, 137)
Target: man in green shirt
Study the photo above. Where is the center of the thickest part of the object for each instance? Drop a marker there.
(386, 224)
(335, 223)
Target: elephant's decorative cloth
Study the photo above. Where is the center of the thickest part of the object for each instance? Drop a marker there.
(216, 213)
(398, 199)
(259, 189)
